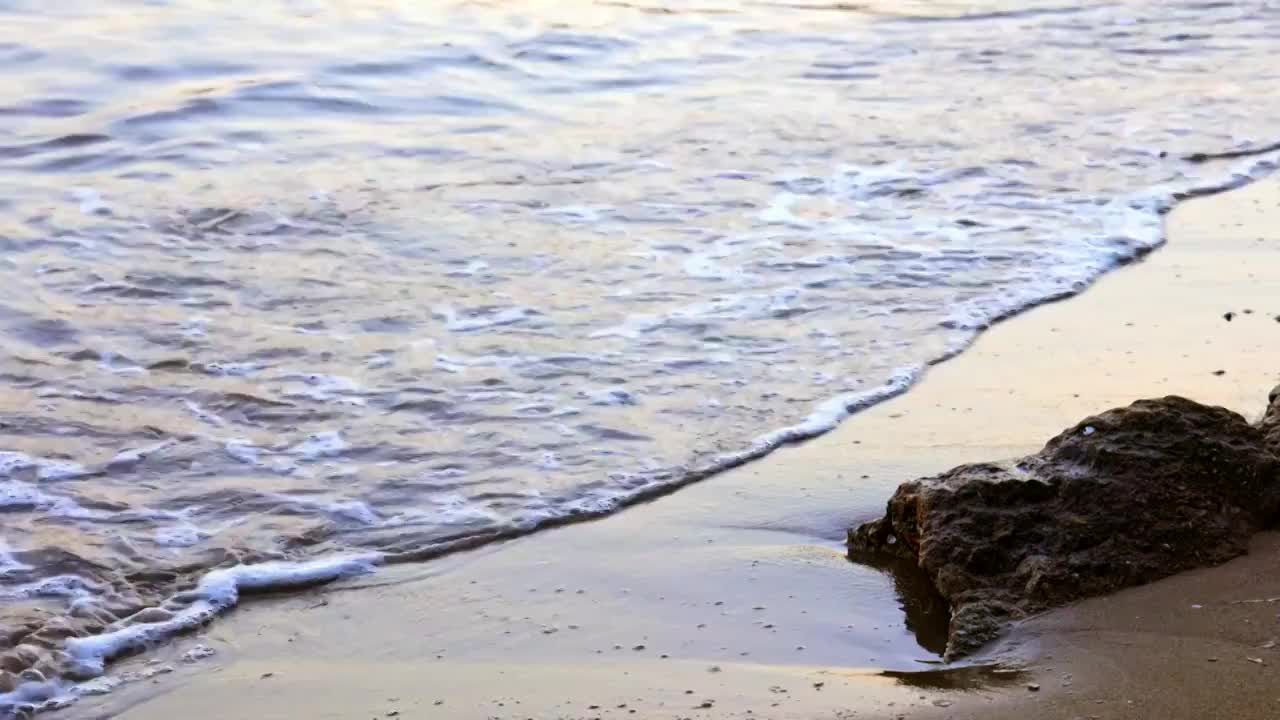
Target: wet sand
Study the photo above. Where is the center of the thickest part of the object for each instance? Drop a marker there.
(733, 599)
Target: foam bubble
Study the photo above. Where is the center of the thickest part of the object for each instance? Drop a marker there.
(126, 458)
(179, 536)
(242, 451)
(90, 201)
(354, 510)
(198, 653)
(326, 388)
(8, 563)
(612, 396)
(321, 445)
(481, 320)
(204, 415)
(575, 213)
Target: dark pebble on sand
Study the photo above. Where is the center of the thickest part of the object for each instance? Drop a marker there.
(638, 647)
(1228, 316)
(1219, 372)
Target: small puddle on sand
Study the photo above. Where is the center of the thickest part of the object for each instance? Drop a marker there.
(964, 677)
(927, 613)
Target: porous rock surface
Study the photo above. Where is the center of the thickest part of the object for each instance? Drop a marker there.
(1122, 498)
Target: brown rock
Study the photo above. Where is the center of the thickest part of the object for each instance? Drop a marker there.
(1126, 497)
(1270, 424)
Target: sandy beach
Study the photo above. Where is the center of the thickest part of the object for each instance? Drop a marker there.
(733, 598)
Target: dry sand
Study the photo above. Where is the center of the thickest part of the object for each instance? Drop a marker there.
(732, 598)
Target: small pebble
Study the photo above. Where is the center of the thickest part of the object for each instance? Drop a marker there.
(1228, 316)
(1033, 687)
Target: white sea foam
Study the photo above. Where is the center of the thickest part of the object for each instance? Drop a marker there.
(612, 396)
(204, 415)
(325, 388)
(8, 563)
(126, 458)
(353, 510)
(180, 536)
(90, 201)
(217, 592)
(198, 653)
(12, 463)
(62, 586)
(17, 494)
(459, 321)
(243, 451)
(827, 415)
(320, 445)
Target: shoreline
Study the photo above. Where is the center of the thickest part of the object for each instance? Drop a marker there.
(823, 418)
(621, 613)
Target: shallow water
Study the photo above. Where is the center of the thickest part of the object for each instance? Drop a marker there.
(296, 280)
